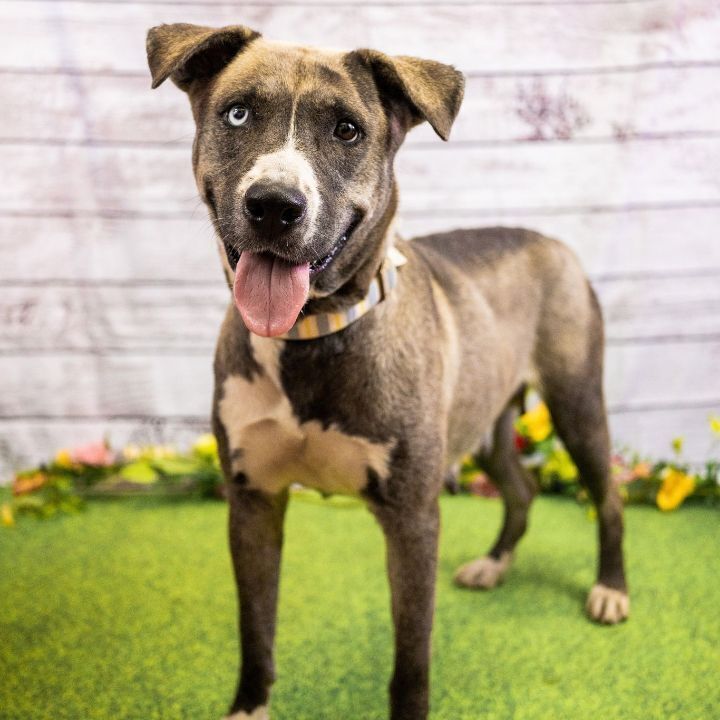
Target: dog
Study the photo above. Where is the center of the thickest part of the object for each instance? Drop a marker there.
(350, 361)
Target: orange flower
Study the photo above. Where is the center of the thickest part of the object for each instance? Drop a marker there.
(482, 485)
(676, 486)
(28, 484)
(642, 470)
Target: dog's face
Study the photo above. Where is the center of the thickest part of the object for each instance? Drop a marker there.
(294, 154)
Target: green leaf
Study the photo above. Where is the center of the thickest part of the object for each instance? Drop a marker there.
(28, 502)
(140, 472)
(176, 466)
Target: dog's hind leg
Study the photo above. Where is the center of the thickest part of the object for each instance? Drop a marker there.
(572, 387)
(518, 489)
(578, 412)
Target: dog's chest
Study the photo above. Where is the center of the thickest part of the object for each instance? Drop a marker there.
(270, 449)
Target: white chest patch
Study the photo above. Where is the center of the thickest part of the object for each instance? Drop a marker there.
(274, 450)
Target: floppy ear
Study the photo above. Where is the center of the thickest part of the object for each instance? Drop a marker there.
(429, 90)
(191, 52)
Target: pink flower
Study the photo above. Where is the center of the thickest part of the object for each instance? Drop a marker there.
(621, 472)
(482, 485)
(96, 453)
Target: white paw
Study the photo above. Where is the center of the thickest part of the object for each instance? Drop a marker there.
(485, 572)
(607, 606)
(259, 713)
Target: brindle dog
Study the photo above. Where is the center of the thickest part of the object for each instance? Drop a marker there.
(294, 158)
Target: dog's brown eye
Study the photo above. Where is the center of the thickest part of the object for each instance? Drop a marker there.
(347, 131)
(237, 115)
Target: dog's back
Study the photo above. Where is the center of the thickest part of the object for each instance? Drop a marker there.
(512, 293)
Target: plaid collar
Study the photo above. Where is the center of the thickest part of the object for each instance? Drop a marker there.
(315, 326)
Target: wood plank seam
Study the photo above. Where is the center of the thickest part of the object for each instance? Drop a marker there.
(330, 4)
(641, 67)
(205, 349)
(429, 212)
(181, 144)
(613, 409)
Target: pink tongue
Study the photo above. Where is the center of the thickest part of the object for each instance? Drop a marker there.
(269, 292)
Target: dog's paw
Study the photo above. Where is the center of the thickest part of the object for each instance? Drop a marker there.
(259, 713)
(607, 606)
(484, 573)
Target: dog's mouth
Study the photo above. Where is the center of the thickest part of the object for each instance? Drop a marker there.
(317, 266)
(233, 254)
(271, 290)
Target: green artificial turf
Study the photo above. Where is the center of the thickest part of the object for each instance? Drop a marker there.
(128, 611)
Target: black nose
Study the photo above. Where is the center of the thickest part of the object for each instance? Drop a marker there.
(273, 208)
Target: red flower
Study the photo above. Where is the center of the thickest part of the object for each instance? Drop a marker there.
(521, 442)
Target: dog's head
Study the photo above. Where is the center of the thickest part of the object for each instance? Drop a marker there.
(294, 152)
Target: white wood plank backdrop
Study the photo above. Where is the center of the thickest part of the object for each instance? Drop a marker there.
(111, 288)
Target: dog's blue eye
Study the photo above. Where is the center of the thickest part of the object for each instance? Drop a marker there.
(237, 115)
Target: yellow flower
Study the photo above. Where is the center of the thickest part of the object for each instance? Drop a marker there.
(159, 452)
(63, 458)
(536, 423)
(677, 444)
(148, 452)
(715, 425)
(559, 464)
(6, 515)
(131, 452)
(676, 486)
(206, 446)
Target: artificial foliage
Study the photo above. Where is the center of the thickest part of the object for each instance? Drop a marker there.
(91, 471)
(74, 476)
(666, 483)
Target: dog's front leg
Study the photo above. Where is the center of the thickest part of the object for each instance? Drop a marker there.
(256, 535)
(412, 539)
